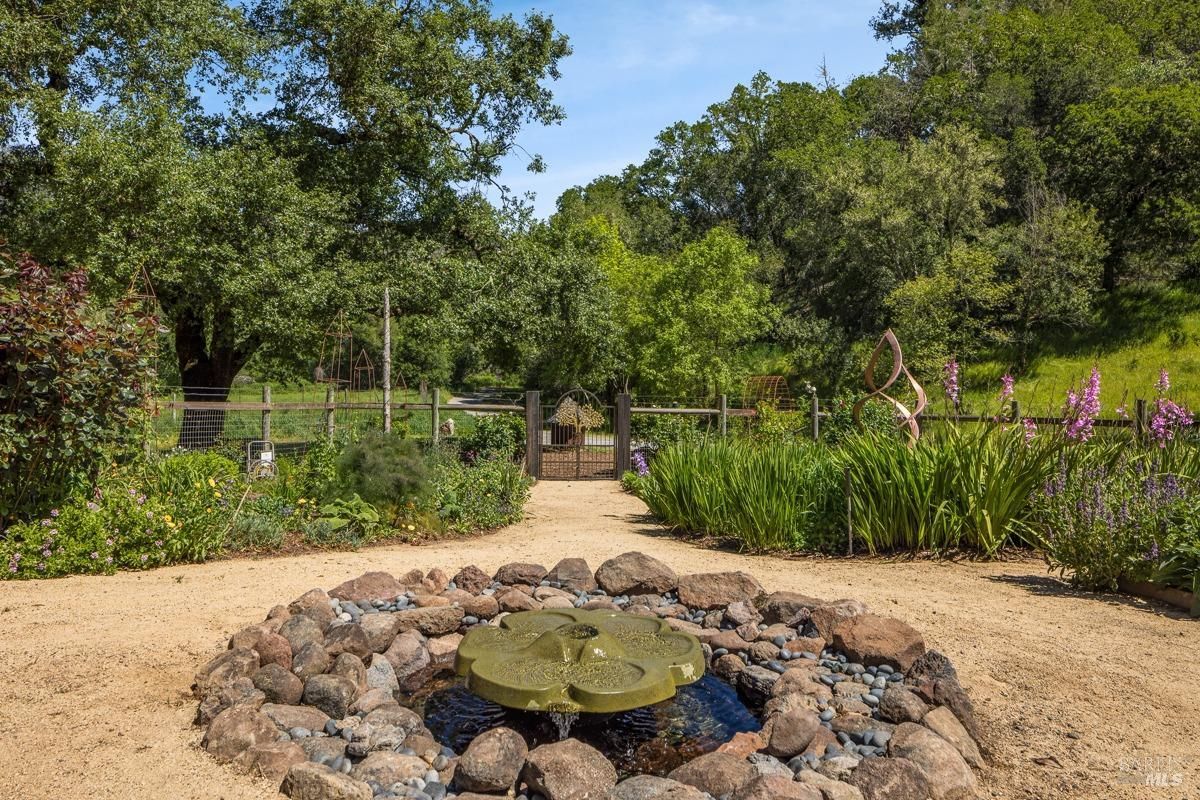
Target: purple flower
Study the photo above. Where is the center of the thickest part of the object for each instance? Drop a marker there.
(1030, 429)
(158, 543)
(1006, 387)
(54, 512)
(45, 552)
(108, 542)
(1153, 554)
(1168, 418)
(1163, 384)
(144, 557)
(1082, 409)
(94, 555)
(950, 381)
(108, 560)
(92, 506)
(639, 464)
(42, 566)
(46, 523)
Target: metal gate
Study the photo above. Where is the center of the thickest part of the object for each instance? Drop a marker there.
(577, 439)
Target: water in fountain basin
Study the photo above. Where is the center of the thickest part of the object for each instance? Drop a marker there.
(564, 723)
(653, 739)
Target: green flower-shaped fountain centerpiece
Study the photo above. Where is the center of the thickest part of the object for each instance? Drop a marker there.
(569, 660)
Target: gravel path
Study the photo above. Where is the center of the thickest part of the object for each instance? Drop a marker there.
(94, 671)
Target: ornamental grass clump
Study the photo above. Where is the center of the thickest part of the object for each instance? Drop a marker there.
(766, 498)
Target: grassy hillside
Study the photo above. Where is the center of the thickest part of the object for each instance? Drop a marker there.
(1136, 333)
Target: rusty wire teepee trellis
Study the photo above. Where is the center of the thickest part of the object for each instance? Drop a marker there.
(906, 418)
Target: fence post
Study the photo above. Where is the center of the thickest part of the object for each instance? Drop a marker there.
(1016, 410)
(533, 434)
(849, 512)
(387, 361)
(1139, 419)
(329, 407)
(723, 408)
(435, 415)
(816, 418)
(266, 414)
(624, 436)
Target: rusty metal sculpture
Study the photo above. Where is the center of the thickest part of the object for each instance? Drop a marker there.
(907, 418)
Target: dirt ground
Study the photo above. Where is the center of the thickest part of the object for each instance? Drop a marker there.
(1080, 695)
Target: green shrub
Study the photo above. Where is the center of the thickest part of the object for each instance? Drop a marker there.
(1129, 518)
(495, 436)
(838, 422)
(386, 471)
(653, 432)
(480, 496)
(773, 426)
(765, 497)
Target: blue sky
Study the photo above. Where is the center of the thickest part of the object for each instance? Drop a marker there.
(640, 65)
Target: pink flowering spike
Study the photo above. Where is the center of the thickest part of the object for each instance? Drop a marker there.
(1030, 429)
(1006, 387)
(1082, 410)
(950, 381)
(1163, 384)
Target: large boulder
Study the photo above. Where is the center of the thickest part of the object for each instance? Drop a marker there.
(309, 781)
(271, 760)
(949, 776)
(348, 638)
(712, 590)
(755, 683)
(409, 659)
(367, 587)
(791, 732)
(430, 621)
(278, 684)
(333, 694)
(492, 761)
(573, 574)
(313, 604)
(224, 670)
(287, 717)
(313, 659)
(387, 768)
(942, 721)
(442, 650)
(828, 616)
(635, 573)
(274, 649)
(830, 789)
(483, 606)
(777, 787)
(890, 779)
(301, 631)
(520, 572)
(933, 677)
(380, 630)
(569, 770)
(381, 674)
(351, 666)
(898, 704)
(651, 787)
(512, 600)
(237, 729)
(472, 579)
(787, 608)
(873, 640)
(719, 774)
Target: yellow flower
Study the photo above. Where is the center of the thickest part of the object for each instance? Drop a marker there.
(167, 518)
(197, 484)
(412, 527)
(301, 501)
(216, 494)
(208, 510)
(211, 482)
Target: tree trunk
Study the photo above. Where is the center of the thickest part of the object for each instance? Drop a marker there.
(206, 370)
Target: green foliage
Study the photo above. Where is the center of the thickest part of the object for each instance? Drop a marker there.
(1129, 517)
(838, 424)
(384, 470)
(73, 383)
(495, 436)
(766, 498)
(653, 432)
(340, 513)
(481, 496)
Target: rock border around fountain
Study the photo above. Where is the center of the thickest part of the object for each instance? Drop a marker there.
(852, 705)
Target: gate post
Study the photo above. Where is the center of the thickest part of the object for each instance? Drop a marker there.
(435, 419)
(624, 437)
(533, 434)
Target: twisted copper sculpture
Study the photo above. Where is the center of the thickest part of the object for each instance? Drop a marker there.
(906, 418)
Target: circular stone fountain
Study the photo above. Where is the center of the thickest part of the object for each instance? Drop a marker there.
(629, 683)
(570, 661)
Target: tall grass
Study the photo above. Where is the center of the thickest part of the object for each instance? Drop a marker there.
(959, 490)
(768, 498)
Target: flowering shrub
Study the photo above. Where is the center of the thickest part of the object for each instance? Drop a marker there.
(72, 381)
(1103, 522)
